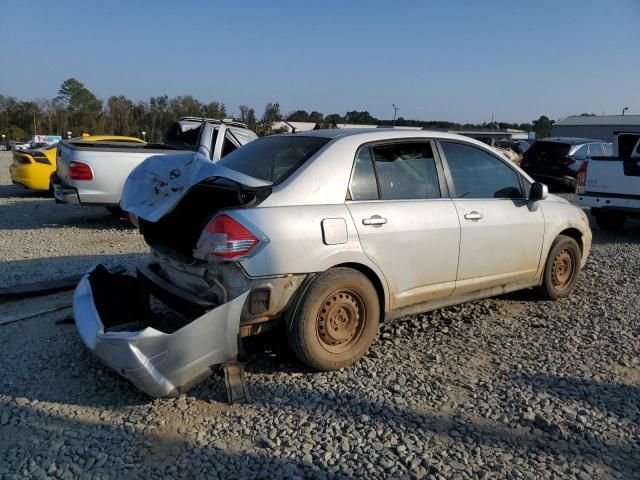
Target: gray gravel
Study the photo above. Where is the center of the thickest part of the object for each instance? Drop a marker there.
(503, 388)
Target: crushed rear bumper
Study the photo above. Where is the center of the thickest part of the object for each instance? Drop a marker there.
(113, 318)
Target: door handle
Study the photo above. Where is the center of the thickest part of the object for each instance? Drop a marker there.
(375, 220)
(473, 215)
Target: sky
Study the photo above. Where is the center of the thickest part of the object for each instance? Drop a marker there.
(454, 60)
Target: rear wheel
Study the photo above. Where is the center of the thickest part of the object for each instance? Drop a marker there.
(336, 320)
(611, 221)
(561, 269)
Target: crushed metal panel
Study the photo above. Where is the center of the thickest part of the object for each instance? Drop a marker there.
(157, 185)
(158, 363)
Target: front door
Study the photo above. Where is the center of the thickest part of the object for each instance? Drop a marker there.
(500, 234)
(407, 227)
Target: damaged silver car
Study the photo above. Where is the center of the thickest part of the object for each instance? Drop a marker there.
(328, 233)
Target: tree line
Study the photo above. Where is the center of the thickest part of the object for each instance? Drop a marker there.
(78, 110)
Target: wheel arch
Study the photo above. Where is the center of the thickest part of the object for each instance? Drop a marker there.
(576, 235)
(373, 278)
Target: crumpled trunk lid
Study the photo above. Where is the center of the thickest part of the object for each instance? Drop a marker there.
(174, 199)
(158, 184)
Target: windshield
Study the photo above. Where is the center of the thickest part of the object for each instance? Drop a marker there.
(273, 158)
(549, 149)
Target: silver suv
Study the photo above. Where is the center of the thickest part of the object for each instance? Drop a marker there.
(328, 232)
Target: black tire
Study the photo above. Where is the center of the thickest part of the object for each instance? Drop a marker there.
(610, 221)
(561, 269)
(335, 321)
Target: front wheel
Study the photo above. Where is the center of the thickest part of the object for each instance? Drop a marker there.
(561, 268)
(336, 320)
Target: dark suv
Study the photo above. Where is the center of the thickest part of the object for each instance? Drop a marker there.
(557, 160)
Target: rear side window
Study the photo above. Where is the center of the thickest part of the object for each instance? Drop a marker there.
(363, 180)
(273, 158)
(548, 149)
(406, 171)
(581, 153)
(227, 147)
(595, 150)
(607, 148)
(478, 174)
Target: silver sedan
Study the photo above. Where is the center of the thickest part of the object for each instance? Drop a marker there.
(329, 233)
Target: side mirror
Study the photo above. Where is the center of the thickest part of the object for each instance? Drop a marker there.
(539, 191)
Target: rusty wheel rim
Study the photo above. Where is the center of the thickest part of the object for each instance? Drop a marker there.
(563, 269)
(340, 321)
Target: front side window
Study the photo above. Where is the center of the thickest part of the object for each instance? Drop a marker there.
(478, 174)
(406, 171)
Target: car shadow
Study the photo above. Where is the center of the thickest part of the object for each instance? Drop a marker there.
(35, 212)
(17, 191)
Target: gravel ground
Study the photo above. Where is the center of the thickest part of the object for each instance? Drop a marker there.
(503, 388)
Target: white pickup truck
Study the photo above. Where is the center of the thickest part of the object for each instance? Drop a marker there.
(611, 185)
(94, 173)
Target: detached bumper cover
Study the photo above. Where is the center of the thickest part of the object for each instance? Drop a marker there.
(158, 363)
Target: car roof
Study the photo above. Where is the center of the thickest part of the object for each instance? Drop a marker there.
(374, 134)
(571, 140)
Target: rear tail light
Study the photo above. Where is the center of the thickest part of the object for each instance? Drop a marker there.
(582, 175)
(21, 159)
(227, 238)
(80, 171)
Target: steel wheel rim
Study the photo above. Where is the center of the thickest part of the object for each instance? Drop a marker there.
(340, 321)
(563, 269)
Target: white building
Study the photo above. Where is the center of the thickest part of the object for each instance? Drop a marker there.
(602, 127)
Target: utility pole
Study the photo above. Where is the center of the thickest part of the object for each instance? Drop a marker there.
(34, 123)
(624, 110)
(395, 112)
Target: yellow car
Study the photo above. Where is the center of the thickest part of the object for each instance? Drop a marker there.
(33, 168)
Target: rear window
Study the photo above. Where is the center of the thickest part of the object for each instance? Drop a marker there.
(550, 149)
(273, 158)
(185, 139)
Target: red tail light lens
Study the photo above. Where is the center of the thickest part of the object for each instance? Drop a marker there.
(226, 238)
(582, 174)
(80, 171)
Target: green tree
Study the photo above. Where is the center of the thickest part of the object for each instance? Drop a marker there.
(82, 106)
(215, 110)
(542, 126)
(271, 114)
(360, 118)
(316, 117)
(332, 120)
(183, 106)
(298, 116)
(252, 120)
(120, 115)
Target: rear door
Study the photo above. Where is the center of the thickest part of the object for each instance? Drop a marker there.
(407, 224)
(500, 236)
(618, 175)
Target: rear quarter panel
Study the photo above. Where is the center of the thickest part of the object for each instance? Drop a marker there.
(296, 242)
